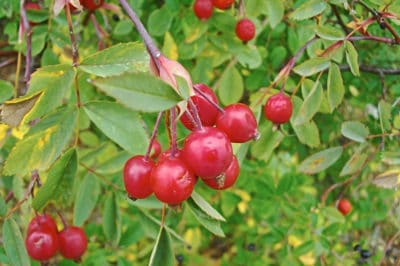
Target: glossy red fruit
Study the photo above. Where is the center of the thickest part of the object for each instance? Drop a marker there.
(245, 29)
(208, 152)
(167, 154)
(223, 4)
(203, 9)
(278, 108)
(344, 206)
(42, 243)
(137, 177)
(238, 123)
(41, 221)
(227, 179)
(155, 150)
(172, 181)
(92, 4)
(73, 242)
(207, 112)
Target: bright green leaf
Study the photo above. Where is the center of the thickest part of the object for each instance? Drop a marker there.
(206, 207)
(230, 88)
(276, 11)
(329, 33)
(354, 130)
(114, 164)
(335, 86)
(356, 162)
(6, 90)
(390, 157)
(352, 58)
(309, 9)
(311, 103)
(312, 66)
(14, 244)
(159, 21)
(320, 161)
(162, 253)
(385, 115)
(112, 219)
(268, 142)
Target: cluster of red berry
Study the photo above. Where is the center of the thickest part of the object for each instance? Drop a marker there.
(344, 206)
(206, 152)
(43, 240)
(203, 9)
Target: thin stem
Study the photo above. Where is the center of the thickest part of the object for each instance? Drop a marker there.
(173, 131)
(75, 53)
(62, 218)
(153, 135)
(163, 215)
(196, 116)
(101, 177)
(374, 70)
(7, 62)
(339, 19)
(195, 87)
(101, 34)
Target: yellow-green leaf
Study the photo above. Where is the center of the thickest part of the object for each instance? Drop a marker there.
(320, 161)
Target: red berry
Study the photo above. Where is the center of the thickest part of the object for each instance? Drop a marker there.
(92, 4)
(32, 6)
(278, 108)
(41, 221)
(223, 4)
(208, 152)
(172, 181)
(167, 154)
(155, 150)
(73, 242)
(344, 206)
(226, 180)
(42, 243)
(203, 9)
(245, 29)
(238, 123)
(207, 112)
(137, 177)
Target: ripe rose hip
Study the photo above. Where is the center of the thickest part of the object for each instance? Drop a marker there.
(172, 181)
(344, 206)
(227, 179)
(41, 221)
(208, 152)
(137, 177)
(167, 154)
(42, 243)
(278, 108)
(223, 4)
(203, 9)
(92, 4)
(207, 112)
(73, 242)
(245, 29)
(238, 123)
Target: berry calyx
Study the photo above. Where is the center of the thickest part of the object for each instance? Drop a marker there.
(344, 206)
(92, 4)
(41, 221)
(208, 152)
(73, 242)
(278, 108)
(203, 9)
(155, 150)
(223, 4)
(172, 181)
(137, 172)
(42, 243)
(238, 122)
(207, 112)
(227, 179)
(245, 29)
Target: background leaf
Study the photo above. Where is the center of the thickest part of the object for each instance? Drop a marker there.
(320, 160)
(206, 207)
(352, 58)
(14, 244)
(312, 66)
(112, 219)
(86, 198)
(310, 105)
(308, 9)
(354, 130)
(6, 90)
(162, 253)
(335, 86)
(230, 88)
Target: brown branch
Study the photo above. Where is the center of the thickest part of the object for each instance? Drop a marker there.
(374, 70)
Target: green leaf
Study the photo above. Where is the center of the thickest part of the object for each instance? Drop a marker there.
(6, 90)
(329, 33)
(390, 157)
(354, 130)
(59, 180)
(355, 162)
(122, 125)
(114, 164)
(162, 253)
(14, 244)
(308, 134)
(335, 86)
(86, 198)
(312, 66)
(208, 222)
(43, 144)
(3, 207)
(14, 111)
(320, 161)
(311, 103)
(309, 9)
(139, 91)
(112, 219)
(147, 203)
(206, 207)
(352, 58)
(159, 21)
(268, 142)
(385, 115)
(275, 11)
(230, 88)
(116, 60)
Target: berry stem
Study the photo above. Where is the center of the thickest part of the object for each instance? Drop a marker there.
(208, 99)
(101, 34)
(163, 215)
(153, 135)
(196, 116)
(64, 222)
(75, 54)
(173, 131)
(27, 28)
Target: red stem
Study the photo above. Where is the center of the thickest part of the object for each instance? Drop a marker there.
(153, 135)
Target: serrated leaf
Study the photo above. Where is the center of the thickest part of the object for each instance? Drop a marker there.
(59, 180)
(43, 144)
(112, 219)
(209, 223)
(13, 112)
(230, 88)
(385, 115)
(355, 162)
(335, 86)
(139, 91)
(120, 124)
(320, 161)
(311, 103)
(388, 179)
(162, 253)
(329, 33)
(309, 9)
(352, 58)
(14, 244)
(275, 11)
(116, 60)
(206, 207)
(354, 130)
(86, 198)
(312, 66)
(6, 90)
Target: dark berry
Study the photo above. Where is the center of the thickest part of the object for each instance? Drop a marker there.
(278, 108)
(251, 247)
(245, 29)
(357, 247)
(365, 253)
